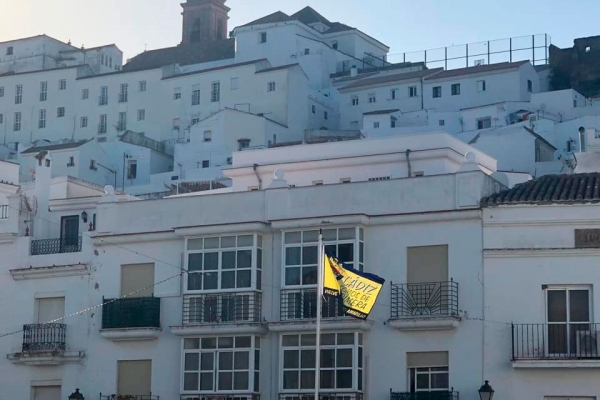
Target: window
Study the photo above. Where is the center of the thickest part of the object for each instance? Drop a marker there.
(354, 100)
(455, 89)
(142, 86)
(195, 120)
(226, 262)
(60, 112)
(271, 87)
(123, 93)
(215, 92)
(376, 124)
(9, 50)
(17, 122)
(301, 253)
(317, 183)
(102, 59)
(380, 178)
(568, 313)
(529, 85)
(575, 103)
(195, 97)
(235, 83)
(102, 124)
(393, 122)
(313, 109)
(42, 119)
(341, 365)
(372, 98)
(306, 51)
(481, 86)
(103, 95)
(43, 91)
(1, 118)
(62, 84)
(110, 62)
(441, 122)
(325, 115)
(393, 94)
(428, 372)
(221, 364)
(345, 180)
(484, 123)
(205, 163)
(83, 123)
(412, 91)
(207, 136)
(133, 376)
(85, 94)
(334, 45)
(18, 94)
(93, 165)
(122, 124)
(132, 169)
(437, 91)
(177, 93)
(1, 91)
(243, 144)
(262, 37)
(176, 124)
(46, 392)
(141, 115)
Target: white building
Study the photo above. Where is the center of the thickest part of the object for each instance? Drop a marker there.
(540, 277)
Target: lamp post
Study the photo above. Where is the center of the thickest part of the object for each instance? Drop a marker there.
(486, 392)
(76, 395)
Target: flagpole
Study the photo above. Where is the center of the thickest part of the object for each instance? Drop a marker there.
(319, 309)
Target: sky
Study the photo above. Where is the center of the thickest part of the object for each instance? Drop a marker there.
(404, 25)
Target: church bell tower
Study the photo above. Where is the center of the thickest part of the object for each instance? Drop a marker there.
(204, 20)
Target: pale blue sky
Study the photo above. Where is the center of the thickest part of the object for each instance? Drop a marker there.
(404, 25)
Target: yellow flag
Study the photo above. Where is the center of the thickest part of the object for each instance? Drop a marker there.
(358, 290)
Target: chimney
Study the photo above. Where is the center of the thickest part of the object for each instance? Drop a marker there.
(43, 177)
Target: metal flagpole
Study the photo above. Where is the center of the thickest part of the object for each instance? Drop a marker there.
(319, 306)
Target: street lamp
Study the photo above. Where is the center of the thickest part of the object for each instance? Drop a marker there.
(76, 395)
(486, 392)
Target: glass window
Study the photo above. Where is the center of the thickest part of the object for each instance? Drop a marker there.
(429, 379)
(215, 92)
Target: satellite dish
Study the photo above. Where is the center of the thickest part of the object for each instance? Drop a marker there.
(278, 174)
(109, 189)
(470, 157)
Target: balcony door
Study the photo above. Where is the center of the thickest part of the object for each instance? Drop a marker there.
(69, 233)
(427, 277)
(47, 393)
(50, 309)
(568, 315)
(134, 377)
(135, 277)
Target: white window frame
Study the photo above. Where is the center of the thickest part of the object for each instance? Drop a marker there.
(481, 86)
(83, 123)
(394, 94)
(207, 136)
(196, 93)
(85, 94)
(103, 95)
(412, 91)
(123, 94)
(62, 84)
(263, 37)
(17, 122)
(429, 373)
(177, 93)
(234, 83)
(436, 92)
(482, 120)
(455, 92)
(358, 342)
(42, 119)
(271, 86)
(372, 98)
(103, 123)
(354, 100)
(215, 92)
(376, 125)
(44, 91)
(141, 115)
(142, 86)
(529, 85)
(122, 122)
(61, 112)
(18, 94)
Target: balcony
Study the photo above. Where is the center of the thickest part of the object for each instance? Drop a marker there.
(44, 344)
(56, 246)
(322, 396)
(556, 345)
(298, 312)
(129, 397)
(225, 313)
(425, 306)
(4, 212)
(131, 319)
(216, 396)
(433, 395)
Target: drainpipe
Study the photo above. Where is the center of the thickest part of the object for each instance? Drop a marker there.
(255, 167)
(408, 162)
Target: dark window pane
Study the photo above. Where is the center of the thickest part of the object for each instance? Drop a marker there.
(243, 341)
(226, 360)
(361, 252)
(241, 360)
(210, 280)
(345, 338)
(228, 260)
(290, 340)
(240, 380)
(557, 305)
(256, 381)
(329, 234)
(206, 381)
(422, 381)
(291, 359)
(327, 379)
(259, 258)
(290, 379)
(309, 275)
(331, 249)
(307, 379)
(579, 305)
(308, 339)
(292, 276)
(191, 361)
(191, 343)
(360, 357)
(243, 278)
(207, 361)
(259, 279)
(195, 262)
(209, 343)
(328, 339)
(346, 252)
(244, 259)
(344, 379)
(190, 381)
(211, 261)
(439, 381)
(228, 279)
(346, 233)
(344, 358)
(360, 383)
(292, 256)
(256, 360)
(327, 358)
(557, 339)
(225, 342)
(307, 359)
(310, 255)
(225, 380)
(195, 281)
(293, 237)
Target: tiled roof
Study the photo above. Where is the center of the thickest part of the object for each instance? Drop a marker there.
(477, 69)
(338, 27)
(308, 15)
(50, 147)
(377, 112)
(277, 16)
(549, 189)
(186, 54)
(392, 78)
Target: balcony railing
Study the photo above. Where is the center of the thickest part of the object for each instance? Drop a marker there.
(216, 396)
(129, 397)
(555, 341)
(229, 308)
(300, 304)
(143, 312)
(44, 337)
(322, 396)
(413, 300)
(4, 212)
(56, 246)
(432, 395)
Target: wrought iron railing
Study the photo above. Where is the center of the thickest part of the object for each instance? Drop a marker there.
(322, 396)
(412, 300)
(555, 341)
(44, 337)
(142, 312)
(432, 395)
(299, 304)
(217, 396)
(4, 212)
(129, 397)
(67, 244)
(222, 308)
